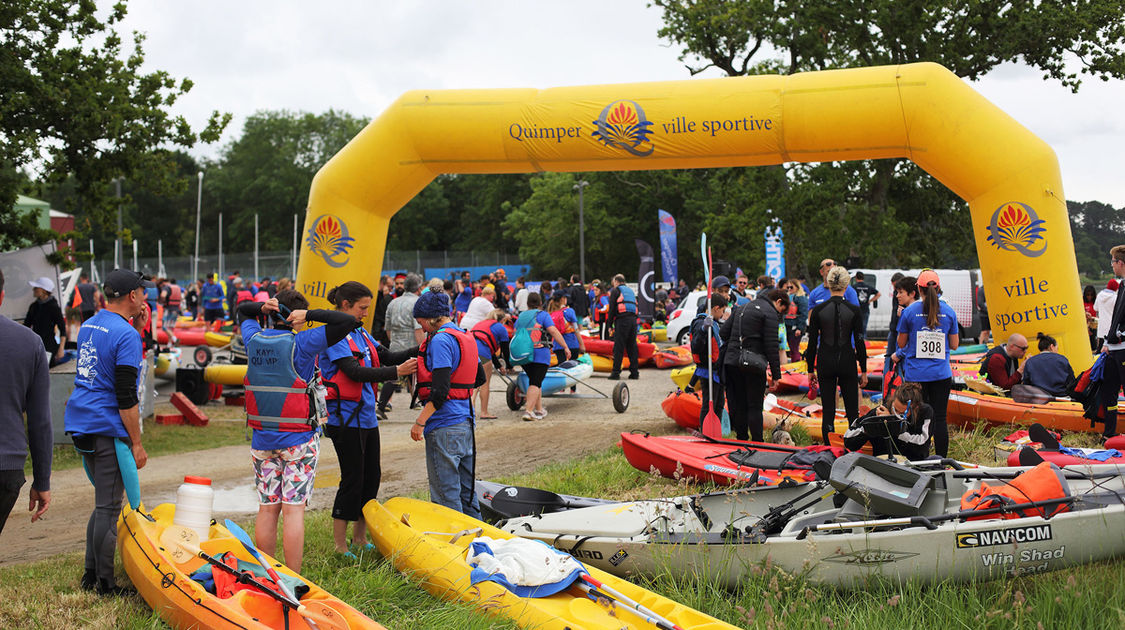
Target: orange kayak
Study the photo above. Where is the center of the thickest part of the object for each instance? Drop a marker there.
(676, 356)
(967, 408)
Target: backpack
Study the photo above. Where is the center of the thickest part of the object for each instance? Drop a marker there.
(559, 317)
(525, 338)
(698, 343)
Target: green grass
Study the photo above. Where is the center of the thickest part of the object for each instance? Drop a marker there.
(44, 594)
(159, 439)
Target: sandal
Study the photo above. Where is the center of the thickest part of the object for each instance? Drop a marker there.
(488, 417)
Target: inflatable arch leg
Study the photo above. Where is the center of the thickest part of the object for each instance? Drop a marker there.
(922, 112)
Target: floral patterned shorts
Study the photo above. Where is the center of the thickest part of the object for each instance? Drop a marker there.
(286, 475)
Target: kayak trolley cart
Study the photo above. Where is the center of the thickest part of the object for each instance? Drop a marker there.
(555, 385)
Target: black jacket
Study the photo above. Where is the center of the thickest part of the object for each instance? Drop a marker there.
(836, 335)
(752, 325)
(1115, 324)
(579, 301)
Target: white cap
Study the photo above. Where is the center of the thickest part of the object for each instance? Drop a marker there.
(43, 283)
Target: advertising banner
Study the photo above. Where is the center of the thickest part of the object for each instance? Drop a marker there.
(668, 247)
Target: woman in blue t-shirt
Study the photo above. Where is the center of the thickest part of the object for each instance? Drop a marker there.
(927, 331)
(566, 321)
(540, 358)
(286, 443)
(349, 370)
(492, 339)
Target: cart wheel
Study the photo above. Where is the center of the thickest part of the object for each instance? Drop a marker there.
(620, 397)
(202, 356)
(515, 396)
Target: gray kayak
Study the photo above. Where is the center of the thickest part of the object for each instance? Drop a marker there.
(872, 519)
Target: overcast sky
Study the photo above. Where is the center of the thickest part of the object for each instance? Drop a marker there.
(358, 56)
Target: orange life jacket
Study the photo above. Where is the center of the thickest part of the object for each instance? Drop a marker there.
(1044, 482)
(464, 376)
(342, 386)
(175, 294)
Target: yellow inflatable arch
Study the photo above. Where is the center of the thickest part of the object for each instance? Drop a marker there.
(922, 112)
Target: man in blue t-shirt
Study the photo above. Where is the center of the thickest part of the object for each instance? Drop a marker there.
(821, 293)
(103, 409)
(213, 298)
(446, 420)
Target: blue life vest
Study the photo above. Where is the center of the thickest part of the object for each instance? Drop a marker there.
(277, 397)
(626, 300)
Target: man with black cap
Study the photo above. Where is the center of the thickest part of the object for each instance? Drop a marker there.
(103, 409)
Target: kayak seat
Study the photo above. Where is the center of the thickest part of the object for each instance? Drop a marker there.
(759, 458)
(880, 486)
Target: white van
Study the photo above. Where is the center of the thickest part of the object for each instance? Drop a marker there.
(957, 287)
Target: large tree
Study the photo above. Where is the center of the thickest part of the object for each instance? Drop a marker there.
(268, 171)
(77, 105)
(1064, 40)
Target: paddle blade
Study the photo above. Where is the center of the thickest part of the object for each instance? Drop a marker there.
(181, 543)
(515, 501)
(240, 534)
(712, 425)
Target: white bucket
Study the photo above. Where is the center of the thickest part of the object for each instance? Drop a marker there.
(194, 500)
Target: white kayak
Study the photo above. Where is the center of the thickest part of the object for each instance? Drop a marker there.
(873, 519)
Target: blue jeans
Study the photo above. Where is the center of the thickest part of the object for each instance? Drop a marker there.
(450, 463)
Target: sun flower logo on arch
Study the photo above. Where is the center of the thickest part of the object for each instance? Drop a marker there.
(622, 125)
(328, 238)
(1017, 227)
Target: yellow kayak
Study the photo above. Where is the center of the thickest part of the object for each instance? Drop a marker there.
(216, 340)
(409, 533)
(182, 602)
(225, 374)
(681, 376)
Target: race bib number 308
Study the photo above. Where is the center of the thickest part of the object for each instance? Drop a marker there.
(930, 344)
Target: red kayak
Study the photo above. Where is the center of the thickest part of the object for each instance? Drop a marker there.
(604, 347)
(725, 462)
(191, 336)
(684, 408)
(678, 356)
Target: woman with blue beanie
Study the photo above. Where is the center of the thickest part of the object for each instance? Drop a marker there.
(448, 372)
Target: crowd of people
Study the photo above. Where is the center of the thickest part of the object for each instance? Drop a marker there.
(446, 338)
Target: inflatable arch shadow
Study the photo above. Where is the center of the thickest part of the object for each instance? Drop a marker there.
(922, 112)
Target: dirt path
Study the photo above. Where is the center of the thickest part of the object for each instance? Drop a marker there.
(508, 445)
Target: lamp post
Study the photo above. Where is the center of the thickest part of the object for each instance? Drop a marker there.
(118, 254)
(198, 209)
(581, 232)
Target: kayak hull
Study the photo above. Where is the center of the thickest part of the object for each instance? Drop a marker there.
(604, 347)
(184, 603)
(438, 563)
(225, 374)
(698, 459)
(967, 408)
(689, 539)
(558, 379)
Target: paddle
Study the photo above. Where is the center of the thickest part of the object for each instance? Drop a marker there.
(712, 424)
(244, 538)
(929, 522)
(520, 501)
(590, 584)
(182, 544)
(765, 446)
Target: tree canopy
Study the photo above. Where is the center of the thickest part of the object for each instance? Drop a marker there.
(76, 105)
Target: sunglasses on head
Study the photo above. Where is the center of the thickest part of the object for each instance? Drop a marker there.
(827, 264)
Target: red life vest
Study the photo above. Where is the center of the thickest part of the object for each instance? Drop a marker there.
(482, 332)
(602, 312)
(243, 296)
(262, 296)
(344, 387)
(277, 398)
(1041, 483)
(464, 376)
(561, 322)
(174, 296)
